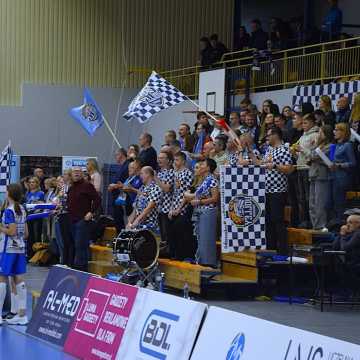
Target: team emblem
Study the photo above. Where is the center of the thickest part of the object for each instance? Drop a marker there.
(244, 210)
(89, 112)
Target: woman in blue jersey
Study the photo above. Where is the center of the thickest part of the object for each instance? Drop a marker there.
(34, 196)
(13, 231)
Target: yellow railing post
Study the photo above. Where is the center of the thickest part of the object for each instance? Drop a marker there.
(322, 64)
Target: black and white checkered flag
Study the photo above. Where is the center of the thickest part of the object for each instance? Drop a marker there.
(242, 208)
(5, 168)
(157, 94)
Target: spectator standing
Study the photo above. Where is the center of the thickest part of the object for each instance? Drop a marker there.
(235, 119)
(332, 24)
(280, 122)
(50, 187)
(242, 39)
(169, 137)
(92, 168)
(181, 240)
(258, 38)
(343, 110)
(147, 156)
(288, 116)
(220, 156)
(355, 125)
(205, 201)
(39, 173)
(303, 149)
(185, 138)
(218, 48)
(83, 201)
(206, 52)
(147, 203)
(278, 164)
(133, 151)
(34, 196)
(122, 173)
(326, 107)
(343, 157)
(251, 127)
(165, 180)
(319, 181)
(202, 119)
(248, 151)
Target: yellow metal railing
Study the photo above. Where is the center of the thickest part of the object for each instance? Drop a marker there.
(314, 63)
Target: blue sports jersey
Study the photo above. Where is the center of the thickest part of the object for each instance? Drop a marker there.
(13, 244)
(34, 197)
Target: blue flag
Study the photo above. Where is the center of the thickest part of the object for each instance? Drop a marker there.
(157, 94)
(88, 115)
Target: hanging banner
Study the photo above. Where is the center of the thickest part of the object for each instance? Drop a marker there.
(101, 321)
(68, 162)
(242, 208)
(161, 327)
(58, 304)
(233, 336)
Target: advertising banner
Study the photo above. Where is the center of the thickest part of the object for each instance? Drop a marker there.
(161, 327)
(233, 336)
(58, 304)
(68, 162)
(101, 321)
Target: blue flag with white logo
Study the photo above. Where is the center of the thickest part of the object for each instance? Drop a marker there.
(88, 115)
(157, 94)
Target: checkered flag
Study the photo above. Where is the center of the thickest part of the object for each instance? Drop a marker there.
(312, 93)
(5, 168)
(242, 208)
(157, 94)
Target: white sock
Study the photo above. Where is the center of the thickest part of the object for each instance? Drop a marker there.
(2, 295)
(14, 307)
(21, 292)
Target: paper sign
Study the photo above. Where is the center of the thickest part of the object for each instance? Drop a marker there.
(101, 321)
(323, 157)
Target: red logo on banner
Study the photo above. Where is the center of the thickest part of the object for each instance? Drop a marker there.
(101, 320)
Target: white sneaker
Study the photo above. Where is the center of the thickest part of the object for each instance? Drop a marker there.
(1, 321)
(18, 320)
(324, 229)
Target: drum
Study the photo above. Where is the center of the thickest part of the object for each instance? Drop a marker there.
(139, 246)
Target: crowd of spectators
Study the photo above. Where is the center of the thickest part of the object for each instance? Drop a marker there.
(281, 35)
(175, 192)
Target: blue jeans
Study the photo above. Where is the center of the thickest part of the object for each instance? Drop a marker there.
(59, 241)
(80, 233)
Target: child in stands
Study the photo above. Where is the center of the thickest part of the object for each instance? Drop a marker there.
(13, 231)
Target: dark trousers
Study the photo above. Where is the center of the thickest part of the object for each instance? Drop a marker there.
(80, 237)
(292, 198)
(164, 224)
(35, 231)
(119, 218)
(66, 239)
(276, 233)
(303, 194)
(182, 242)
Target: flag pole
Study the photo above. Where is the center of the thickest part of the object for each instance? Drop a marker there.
(236, 138)
(112, 133)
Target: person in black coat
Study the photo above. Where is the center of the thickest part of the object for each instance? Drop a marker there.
(258, 38)
(242, 39)
(206, 58)
(218, 48)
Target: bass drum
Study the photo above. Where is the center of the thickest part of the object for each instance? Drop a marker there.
(139, 246)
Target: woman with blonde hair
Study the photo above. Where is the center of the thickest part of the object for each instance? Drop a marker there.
(341, 176)
(326, 106)
(94, 172)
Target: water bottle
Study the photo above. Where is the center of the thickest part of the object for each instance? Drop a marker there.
(186, 291)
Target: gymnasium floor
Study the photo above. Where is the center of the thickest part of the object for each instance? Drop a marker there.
(338, 322)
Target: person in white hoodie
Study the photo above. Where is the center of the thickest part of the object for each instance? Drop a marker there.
(303, 150)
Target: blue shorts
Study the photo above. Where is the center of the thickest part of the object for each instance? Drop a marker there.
(12, 264)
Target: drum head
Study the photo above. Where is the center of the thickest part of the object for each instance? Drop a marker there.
(145, 249)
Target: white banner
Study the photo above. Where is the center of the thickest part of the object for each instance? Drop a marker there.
(233, 336)
(161, 327)
(75, 161)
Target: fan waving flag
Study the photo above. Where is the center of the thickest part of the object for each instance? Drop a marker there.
(157, 94)
(5, 168)
(88, 115)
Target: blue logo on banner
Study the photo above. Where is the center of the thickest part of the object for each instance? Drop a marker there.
(154, 339)
(237, 347)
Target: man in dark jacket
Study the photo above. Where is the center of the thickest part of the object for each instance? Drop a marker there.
(218, 48)
(83, 202)
(343, 110)
(258, 38)
(147, 156)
